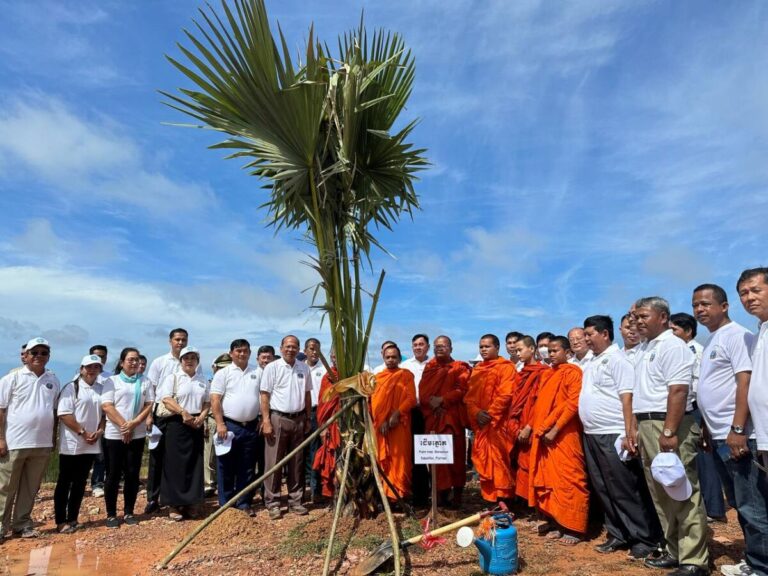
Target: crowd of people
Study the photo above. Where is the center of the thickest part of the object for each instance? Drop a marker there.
(658, 433)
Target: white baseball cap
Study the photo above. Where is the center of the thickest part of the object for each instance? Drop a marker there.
(624, 456)
(668, 470)
(189, 350)
(154, 437)
(90, 359)
(37, 342)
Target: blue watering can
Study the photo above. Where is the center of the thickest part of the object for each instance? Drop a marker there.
(500, 556)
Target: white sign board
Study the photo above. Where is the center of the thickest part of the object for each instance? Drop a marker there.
(433, 448)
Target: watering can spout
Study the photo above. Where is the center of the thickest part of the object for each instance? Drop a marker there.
(484, 547)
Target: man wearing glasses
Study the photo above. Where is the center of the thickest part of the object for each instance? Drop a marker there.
(27, 415)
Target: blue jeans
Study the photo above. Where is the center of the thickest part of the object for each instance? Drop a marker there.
(750, 487)
(236, 469)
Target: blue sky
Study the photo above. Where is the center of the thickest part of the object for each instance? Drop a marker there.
(584, 154)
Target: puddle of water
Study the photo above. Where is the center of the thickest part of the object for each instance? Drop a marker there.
(57, 560)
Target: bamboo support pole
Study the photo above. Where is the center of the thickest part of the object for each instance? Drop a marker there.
(339, 506)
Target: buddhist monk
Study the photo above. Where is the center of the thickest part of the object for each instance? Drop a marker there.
(391, 405)
(330, 440)
(441, 400)
(521, 411)
(491, 385)
(558, 479)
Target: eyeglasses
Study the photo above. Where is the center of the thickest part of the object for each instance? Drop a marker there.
(131, 360)
(39, 353)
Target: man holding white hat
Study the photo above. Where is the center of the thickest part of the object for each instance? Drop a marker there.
(28, 400)
(662, 407)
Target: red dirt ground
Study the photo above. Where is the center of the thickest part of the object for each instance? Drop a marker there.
(237, 545)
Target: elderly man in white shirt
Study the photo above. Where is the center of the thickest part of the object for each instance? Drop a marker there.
(286, 404)
(663, 409)
(28, 399)
(415, 365)
(605, 409)
(581, 352)
(724, 383)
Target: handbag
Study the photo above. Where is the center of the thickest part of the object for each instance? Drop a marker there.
(160, 409)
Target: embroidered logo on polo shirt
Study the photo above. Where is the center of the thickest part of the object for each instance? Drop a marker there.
(653, 355)
(713, 355)
(200, 385)
(300, 375)
(605, 361)
(48, 385)
(253, 376)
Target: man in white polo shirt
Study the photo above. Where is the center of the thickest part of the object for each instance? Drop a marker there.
(235, 401)
(724, 382)
(416, 364)
(605, 409)
(753, 293)
(286, 404)
(317, 371)
(662, 406)
(28, 399)
(581, 352)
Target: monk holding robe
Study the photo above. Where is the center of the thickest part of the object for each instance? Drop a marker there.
(441, 400)
(521, 411)
(558, 478)
(491, 385)
(391, 405)
(330, 440)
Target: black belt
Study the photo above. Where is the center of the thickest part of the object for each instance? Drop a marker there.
(642, 416)
(291, 415)
(248, 424)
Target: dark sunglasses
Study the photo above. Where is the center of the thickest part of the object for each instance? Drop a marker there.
(40, 353)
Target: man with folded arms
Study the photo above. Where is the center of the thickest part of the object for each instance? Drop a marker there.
(605, 409)
(286, 404)
(724, 382)
(235, 403)
(662, 408)
(28, 399)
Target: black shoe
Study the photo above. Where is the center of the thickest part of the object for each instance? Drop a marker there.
(208, 492)
(611, 545)
(641, 551)
(690, 570)
(660, 560)
(151, 507)
(130, 520)
(112, 522)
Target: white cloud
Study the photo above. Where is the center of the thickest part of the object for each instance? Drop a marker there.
(89, 159)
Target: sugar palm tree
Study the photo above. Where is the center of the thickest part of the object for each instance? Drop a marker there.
(322, 135)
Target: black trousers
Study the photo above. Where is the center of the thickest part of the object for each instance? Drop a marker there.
(156, 459)
(70, 487)
(122, 460)
(630, 515)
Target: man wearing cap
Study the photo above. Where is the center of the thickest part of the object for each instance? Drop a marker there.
(605, 409)
(235, 404)
(724, 382)
(158, 370)
(663, 410)
(28, 399)
(286, 404)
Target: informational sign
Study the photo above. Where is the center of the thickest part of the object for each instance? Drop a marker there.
(433, 448)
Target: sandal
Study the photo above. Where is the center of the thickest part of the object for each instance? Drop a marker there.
(555, 535)
(569, 540)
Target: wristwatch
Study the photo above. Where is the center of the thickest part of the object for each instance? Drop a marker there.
(738, 430)
(668, 433)
(82, 431)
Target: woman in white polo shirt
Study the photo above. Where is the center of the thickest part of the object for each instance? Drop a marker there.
(126, 400)
(186, 395)
(81, 425)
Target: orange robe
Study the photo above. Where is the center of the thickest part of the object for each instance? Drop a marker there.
(325, 456)
(491, 386)
(558, 478)
(395, 390)
(520, 415)
(448, 380)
